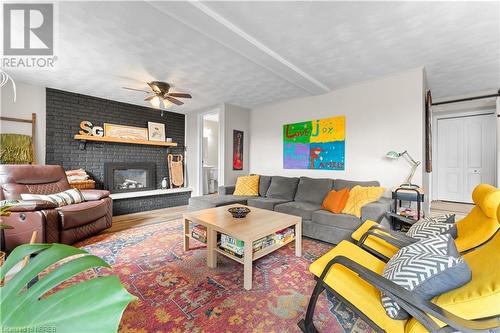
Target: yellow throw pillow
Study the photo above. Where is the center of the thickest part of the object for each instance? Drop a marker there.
(360, 196)
(247, 185)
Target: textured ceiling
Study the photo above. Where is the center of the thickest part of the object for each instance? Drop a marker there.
(254, 53)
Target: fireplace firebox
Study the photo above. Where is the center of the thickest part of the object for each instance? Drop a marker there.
(129, 177)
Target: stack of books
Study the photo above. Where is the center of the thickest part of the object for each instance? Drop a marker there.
(284, 235)
(199, 233)
(236, 247)
(232, 245)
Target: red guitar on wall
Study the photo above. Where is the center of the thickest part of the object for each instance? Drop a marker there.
(237, 150)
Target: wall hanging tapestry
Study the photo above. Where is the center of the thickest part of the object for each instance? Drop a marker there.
(315, 144)
(237, 150)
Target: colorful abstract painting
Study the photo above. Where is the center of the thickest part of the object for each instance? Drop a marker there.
(316, 144)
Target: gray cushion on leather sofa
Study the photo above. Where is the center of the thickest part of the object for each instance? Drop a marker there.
(265, 203)
(339, 184)
(282, 188)
(297, 208)
(210, 201)
(343, 221)
(313, 190)
(264, 182)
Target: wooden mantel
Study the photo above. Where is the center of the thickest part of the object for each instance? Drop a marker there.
(85, 138)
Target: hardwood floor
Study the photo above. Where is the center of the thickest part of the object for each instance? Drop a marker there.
(135, 220)
(446, 207)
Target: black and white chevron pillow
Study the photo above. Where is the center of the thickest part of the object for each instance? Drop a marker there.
(426, 269)
(68, 197)
(433, 226)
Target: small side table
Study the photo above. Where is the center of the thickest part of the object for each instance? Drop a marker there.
(400, 194)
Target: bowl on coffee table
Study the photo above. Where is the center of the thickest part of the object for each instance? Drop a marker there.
(239, 212)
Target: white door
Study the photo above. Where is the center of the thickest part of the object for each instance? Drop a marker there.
(466, 155)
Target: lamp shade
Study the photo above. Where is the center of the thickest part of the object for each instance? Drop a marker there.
(393, 154)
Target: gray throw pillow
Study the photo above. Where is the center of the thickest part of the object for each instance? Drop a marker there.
(426, 270)
(282, 188)
(433, 226)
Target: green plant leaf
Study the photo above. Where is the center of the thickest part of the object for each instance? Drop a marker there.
(94, 305)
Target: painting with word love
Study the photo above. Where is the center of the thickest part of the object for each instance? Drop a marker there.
(315, 144)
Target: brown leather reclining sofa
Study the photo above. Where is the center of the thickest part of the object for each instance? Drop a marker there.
(67, 224)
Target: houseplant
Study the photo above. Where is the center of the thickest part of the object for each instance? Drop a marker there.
(94, 305)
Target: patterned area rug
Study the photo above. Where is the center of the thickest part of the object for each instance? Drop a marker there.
(178, 293)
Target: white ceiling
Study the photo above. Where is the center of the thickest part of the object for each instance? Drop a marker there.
(254, 53)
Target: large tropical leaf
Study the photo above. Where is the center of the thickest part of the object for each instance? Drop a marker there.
(94, 305)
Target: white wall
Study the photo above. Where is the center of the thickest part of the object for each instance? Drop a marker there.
(235, 118)
(381, 115)
(29, 99)
(211, 155)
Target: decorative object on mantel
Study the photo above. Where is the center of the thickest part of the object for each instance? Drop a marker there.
(237, 150)
(87, 128)
(175, 170)
(79, 179)
(125, 132)
(162, 94)
(156, 131)
(414, 164)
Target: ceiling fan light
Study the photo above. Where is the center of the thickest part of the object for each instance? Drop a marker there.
(156, 102)
(167, 103)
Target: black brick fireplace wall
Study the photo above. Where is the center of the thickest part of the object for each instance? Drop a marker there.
(65, 111)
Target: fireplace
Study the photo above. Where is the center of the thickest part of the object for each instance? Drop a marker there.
(129, 177)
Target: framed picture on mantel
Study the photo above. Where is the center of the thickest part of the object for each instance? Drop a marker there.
(125, 132)
(156, 131)
(237, 150)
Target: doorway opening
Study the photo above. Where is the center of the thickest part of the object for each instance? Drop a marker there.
(466, 154)
(210, 153)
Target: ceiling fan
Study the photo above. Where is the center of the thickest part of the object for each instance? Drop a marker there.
(161, 91)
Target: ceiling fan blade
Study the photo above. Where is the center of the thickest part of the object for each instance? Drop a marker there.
(135, 89)
(180, 95)
(173, 100)
(149, 98)
(154, 87)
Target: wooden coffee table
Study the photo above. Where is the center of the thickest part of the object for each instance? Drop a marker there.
(257, 224)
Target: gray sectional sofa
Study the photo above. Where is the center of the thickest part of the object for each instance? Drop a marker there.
(301, 197)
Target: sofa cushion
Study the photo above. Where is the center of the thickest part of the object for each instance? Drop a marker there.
(360, 196)
(68, 197)
(335, 200)
(79, 214)
(264, 182)
(265, 203)
(282, 188)
(247, 186)
(297, 208)
(339, 184)
(313, 190)
(426, 270)
(339, 220)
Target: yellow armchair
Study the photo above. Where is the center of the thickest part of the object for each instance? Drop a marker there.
(355, 276)
(480, 225)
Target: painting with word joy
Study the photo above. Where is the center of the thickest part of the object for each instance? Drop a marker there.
(316, 144)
